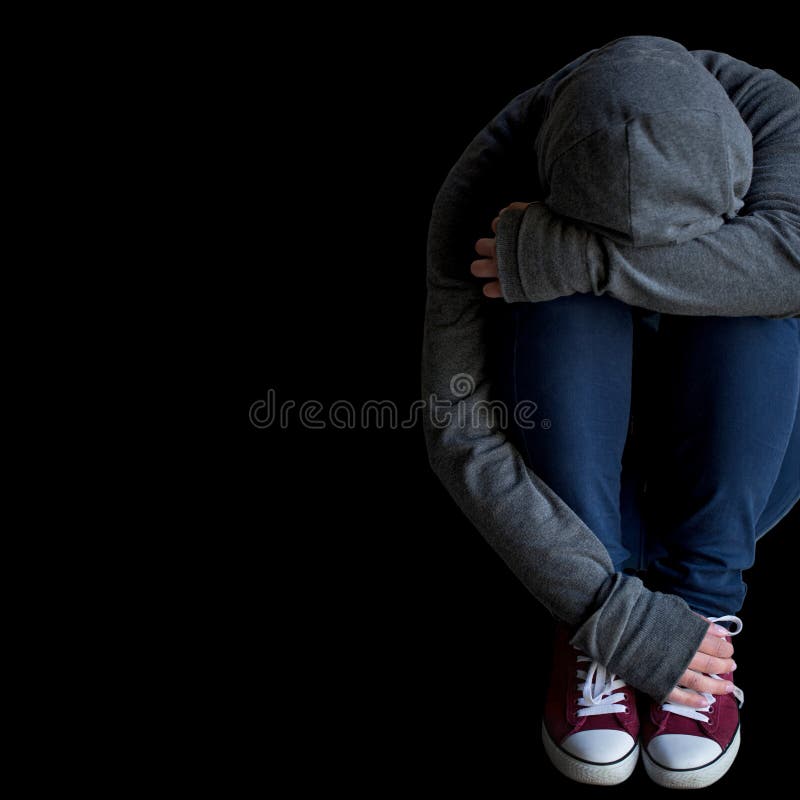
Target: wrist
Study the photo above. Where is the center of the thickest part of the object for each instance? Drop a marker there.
(647, 637)
(541, 255)
(508, 267)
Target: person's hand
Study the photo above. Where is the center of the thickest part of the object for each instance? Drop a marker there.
(713, 657)
(486, 267)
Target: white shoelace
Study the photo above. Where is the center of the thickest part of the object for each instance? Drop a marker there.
(696, 713)
(599, 689)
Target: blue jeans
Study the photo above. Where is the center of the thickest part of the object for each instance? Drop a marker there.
(675, 439)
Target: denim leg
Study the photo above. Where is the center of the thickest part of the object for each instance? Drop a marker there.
(730, 390)
(786, 491)
(572, 358)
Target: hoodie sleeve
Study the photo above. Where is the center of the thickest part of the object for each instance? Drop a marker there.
(750, 266)
(647, 637)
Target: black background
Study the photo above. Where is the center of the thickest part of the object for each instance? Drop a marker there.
(369, 627)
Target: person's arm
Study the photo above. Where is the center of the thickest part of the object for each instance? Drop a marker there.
(750, 266)
(647, 637)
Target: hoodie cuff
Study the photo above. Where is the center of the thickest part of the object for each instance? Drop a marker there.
(648, 638)
(506, 251)
(540, 255)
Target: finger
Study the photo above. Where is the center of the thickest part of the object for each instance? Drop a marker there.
(686, 697)
(702, 683)
(484, 268)
(515, 205)
(494, 224)
(493, 290)
(714, 646)
(717, 630)
(485, 247)
(702, 662)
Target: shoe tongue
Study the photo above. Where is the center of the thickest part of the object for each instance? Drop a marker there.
(685, 725)
(604, 722)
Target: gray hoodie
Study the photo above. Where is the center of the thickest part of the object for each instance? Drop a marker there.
(670, 180)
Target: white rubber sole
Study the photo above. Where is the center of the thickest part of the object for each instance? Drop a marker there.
(586, 771)
(692, 778)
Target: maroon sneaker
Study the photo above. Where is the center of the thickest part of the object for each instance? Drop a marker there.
(689, 748)
(590, 726)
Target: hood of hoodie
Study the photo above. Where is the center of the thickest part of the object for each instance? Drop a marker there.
(642, 144)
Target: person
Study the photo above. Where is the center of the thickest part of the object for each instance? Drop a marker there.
(650, 334)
